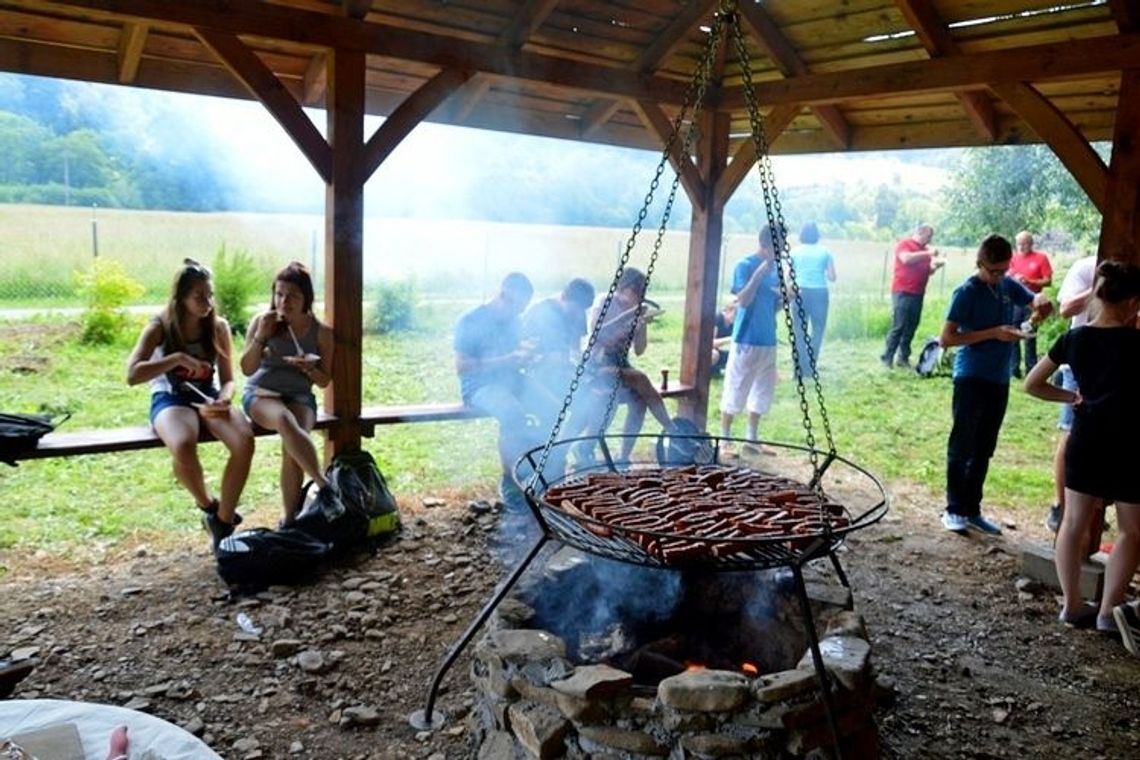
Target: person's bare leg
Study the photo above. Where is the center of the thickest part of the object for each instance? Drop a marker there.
(177, 427)
(119, 746)
(292, 481)
(1123, 559)
(236, 435)
(1069, 550)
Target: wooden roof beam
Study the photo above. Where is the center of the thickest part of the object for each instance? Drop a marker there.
(316, 80)
(527, 21)
(267, 88)
(598, 114)
(777, 120)
(1090, 55)
(408, 115)
(936, 38)
(1126, 13)
(678, 30)
(463, 101)
(356, 8)
(280, 22)
(660, 124)
(789, 63)
(131, 46)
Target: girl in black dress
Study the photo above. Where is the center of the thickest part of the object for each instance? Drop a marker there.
(1100, 462)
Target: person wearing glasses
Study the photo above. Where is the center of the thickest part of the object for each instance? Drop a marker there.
(983, 322)
(915, 261)
(181, 353)
(288, 351)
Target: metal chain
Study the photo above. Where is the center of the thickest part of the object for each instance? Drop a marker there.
(780, 244)
(694, 97)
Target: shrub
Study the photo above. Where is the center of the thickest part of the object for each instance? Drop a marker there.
(395, 307)
(107, 289)
(238, 280)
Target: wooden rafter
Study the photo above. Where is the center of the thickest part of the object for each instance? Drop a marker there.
(666, 43)
(1126, 13)
(265, 20)
(131, 46)
(408, 115)
(1073, 150)
(316, 80)
(1036, 63)
(936, 38)
(267, 88)
(463, 101)
(777, 120)
(526, 22)
(789, 63)
(661, 125)
(598, 114)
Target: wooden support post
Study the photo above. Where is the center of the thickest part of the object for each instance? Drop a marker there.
(344, 249)
(705, 237)
(1120, 228)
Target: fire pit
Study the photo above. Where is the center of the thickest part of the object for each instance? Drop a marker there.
(796, 521)
(724, 669)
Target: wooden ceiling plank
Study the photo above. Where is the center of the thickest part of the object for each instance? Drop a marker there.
(935, 36)
(267, 88)
(408, 115)
(526, 22)
(789, 63)
(130, 50)
(1035, 63)
(744, 158)
(597, 115)
(316, 80)
(1062, 137)
(660, 124)
(266, 20)
(679, 29)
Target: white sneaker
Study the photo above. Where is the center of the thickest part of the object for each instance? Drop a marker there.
(955, 523)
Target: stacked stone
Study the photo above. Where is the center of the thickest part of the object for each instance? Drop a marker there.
(532, 702)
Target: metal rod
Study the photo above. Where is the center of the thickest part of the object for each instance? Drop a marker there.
(428, 719)
(817, 657)
(839, 569)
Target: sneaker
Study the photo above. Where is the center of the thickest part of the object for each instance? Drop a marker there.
(213, 510)
(885, 362)
(1084, 620)
(983, 525)
(903, 364)
(1128, 623)
(1053, 519)
(216, 527)
(955, 523)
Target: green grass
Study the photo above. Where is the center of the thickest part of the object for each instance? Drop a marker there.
(893, 423)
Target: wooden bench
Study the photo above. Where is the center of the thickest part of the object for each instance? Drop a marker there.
(106, 441)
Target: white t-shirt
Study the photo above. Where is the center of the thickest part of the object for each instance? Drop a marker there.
(1078, 279)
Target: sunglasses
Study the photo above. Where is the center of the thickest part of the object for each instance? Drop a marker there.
(995, 271)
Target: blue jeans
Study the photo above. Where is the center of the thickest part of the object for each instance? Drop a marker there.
(525, 412)
(978, 409)
(905, 315)
(816, 302)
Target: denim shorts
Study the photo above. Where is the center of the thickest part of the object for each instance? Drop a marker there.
(1069, 383)
(160, 400)
(305, 399)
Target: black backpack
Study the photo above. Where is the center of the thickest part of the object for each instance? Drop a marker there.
(21, 433)
(932, 359)
(253, 560)
(357, 508)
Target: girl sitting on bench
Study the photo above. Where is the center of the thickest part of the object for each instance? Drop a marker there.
(179, 353)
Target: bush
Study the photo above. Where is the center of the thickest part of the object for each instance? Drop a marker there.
(238, 280)
(395, 307)
(107, 289)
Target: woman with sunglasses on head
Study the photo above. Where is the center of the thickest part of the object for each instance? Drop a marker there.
(983, 320)
(287, 352)
(180, 352)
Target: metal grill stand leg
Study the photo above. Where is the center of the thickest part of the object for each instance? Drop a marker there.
(817, 658)
(430, 720)
(839, 569)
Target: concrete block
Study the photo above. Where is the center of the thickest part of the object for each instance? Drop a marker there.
(1037, 562)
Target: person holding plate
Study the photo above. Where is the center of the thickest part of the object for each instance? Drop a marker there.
(289, 350)
(180, 353)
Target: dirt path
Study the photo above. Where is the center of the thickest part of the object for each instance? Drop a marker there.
(978, 670)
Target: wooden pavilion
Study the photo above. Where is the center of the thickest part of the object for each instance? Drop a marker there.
(831, 75)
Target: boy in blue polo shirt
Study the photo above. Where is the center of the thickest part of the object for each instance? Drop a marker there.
(982, 320)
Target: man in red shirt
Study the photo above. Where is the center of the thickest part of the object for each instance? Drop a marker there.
(915, 261)
(1032, 269)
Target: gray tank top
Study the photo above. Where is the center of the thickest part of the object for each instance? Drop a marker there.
(273, 374)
